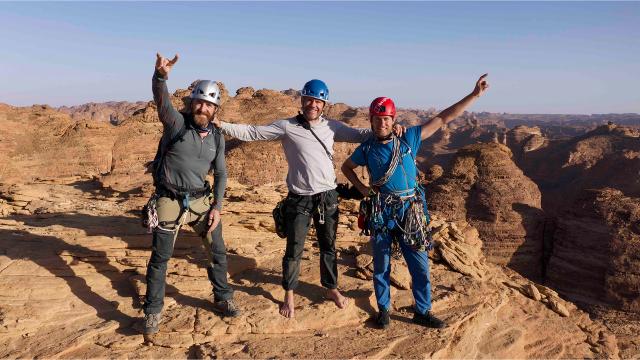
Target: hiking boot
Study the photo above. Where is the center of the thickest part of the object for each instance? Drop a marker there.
(226, 308)
(428, 320)
(383, 319)
(151, 323)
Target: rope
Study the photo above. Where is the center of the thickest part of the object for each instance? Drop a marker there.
(395, 160)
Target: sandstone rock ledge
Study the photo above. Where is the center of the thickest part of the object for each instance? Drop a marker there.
(72, 280)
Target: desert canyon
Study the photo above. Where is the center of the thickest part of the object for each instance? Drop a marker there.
(535, 221)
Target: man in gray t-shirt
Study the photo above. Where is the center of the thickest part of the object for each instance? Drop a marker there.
(311, 181)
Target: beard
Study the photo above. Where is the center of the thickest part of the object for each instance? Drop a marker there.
(201, 120)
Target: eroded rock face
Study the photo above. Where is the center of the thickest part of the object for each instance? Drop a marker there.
(485, 188)
(608, 156)
(523, 139)
(594, 257)
(73, 277)
(40, 142)
(111, 111)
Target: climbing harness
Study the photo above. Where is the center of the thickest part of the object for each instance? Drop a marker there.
(403, 212)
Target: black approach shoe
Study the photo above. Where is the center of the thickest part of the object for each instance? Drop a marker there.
(151, 323)
(226, 308)
(383, 319)
(428, 320)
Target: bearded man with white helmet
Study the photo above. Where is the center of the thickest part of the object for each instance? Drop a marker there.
(189, 149)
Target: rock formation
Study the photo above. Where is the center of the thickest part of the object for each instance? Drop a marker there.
(523, 139)
(72, 276)
(594, 257)
(485, 188)
(113, 111)
(73, 256)
(608, 156)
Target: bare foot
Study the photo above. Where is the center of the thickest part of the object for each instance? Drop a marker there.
(341, 301)
(287, 309)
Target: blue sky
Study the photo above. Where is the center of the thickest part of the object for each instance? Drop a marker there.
(542, 57)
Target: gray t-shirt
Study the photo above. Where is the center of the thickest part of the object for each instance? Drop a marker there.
(310, 169)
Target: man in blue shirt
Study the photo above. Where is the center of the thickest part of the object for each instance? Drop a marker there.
(397, 204)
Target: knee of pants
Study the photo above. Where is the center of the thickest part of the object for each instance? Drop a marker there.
(421, 274)
(219, 258)
(293, 256)
(218, 248)
(159, 257)
(162, 246)
(293, 253)
(381, 265)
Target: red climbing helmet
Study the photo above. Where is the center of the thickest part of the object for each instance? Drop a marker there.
(382, 106)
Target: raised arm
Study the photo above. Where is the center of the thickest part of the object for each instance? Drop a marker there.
(168, 115)
(452, 112)
(244, 132)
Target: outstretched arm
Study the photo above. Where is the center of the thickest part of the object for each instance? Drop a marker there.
(345, 133)
(245, 132)
(347, 169)
(452, 112)
(168, 115)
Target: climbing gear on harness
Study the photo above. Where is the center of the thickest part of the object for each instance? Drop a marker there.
(405, 215)
(364, 215)
(382, 106)
(305, 124)
(316, 89)
(323, 206)
(405, 211)
(150, 214)
(206, 90)
(279, 220)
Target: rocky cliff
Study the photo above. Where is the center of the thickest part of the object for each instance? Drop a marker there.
(487, 189)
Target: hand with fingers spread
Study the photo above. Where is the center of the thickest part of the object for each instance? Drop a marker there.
(214, 219)
(164, 65)
(481, 86)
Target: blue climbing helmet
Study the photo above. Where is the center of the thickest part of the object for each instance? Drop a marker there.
(316, 89)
